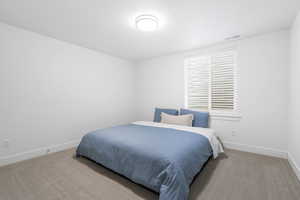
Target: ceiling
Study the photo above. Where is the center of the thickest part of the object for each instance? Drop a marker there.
(108, 25)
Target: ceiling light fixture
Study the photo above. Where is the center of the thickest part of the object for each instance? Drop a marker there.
(146, 23)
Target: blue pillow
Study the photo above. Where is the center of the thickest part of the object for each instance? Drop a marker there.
(158, 111)
(200, 118)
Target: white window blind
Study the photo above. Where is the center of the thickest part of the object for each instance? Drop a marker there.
(198, 82)
(211, 82)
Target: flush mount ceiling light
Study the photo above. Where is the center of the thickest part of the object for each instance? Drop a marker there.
(146, 23)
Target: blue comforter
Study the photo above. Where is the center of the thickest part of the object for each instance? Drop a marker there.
(162, 159)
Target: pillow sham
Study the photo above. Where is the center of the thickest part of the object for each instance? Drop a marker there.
(158, 111)
(183, 120)
(200, 118)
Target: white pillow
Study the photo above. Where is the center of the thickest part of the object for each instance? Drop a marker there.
(183, 120)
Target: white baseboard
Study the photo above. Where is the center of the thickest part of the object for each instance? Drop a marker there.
(60, 147)
(256, 149)
(37, 152)
(294, 165)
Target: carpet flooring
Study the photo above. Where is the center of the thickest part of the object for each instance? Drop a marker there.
(233, 176)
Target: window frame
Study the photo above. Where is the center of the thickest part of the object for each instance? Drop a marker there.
(232, 115)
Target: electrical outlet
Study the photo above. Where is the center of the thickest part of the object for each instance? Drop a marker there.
(6, 143)
(233, 133)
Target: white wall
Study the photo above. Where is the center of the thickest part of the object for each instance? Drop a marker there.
(263, 64)
(294, 115)
(52, 92)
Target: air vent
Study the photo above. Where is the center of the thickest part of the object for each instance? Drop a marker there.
(235, 37)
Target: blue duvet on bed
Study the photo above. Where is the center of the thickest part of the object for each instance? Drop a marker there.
(162, 159)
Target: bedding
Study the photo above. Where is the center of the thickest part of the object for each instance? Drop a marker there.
(162, 157)
(158, 111)
(200, 118)
(184, 120)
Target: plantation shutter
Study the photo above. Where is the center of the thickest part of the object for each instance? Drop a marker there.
(222, 81)
(210, 82)
(198, 70)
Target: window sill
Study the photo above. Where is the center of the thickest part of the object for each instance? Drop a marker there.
(225, 116)
(222, 115)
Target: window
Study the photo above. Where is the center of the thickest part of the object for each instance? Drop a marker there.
(211, 84)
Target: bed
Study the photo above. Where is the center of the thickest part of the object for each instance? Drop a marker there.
(162, 157)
